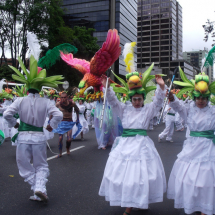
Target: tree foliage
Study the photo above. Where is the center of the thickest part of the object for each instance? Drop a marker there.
(209, 29)
(17, 17)
(82, 39)
(6, 72)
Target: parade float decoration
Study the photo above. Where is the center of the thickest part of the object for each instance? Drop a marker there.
(98, 65)
(20, 91)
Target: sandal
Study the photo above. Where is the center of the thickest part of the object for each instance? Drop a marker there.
(127, 213)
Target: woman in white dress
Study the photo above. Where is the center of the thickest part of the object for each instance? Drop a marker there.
(134, 174)
(192, 180)
(82, 120)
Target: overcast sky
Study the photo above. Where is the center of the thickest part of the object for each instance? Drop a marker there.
(195, 14)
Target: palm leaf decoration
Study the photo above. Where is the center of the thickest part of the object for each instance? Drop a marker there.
(185, 81)
(20, 91)
(35, 79)
(53, 55)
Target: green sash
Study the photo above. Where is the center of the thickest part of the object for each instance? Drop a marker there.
(26, 127)
(15, 115)
(133, 132)
(207, 134)
(172, 114)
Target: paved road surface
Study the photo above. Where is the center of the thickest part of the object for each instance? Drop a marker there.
(74, 180)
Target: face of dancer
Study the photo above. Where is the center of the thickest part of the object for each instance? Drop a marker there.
(64, 98)
(137, 100)
(201, 102)
(80, 102)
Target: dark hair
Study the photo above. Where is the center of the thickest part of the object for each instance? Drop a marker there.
(64, 93)
(33, 91)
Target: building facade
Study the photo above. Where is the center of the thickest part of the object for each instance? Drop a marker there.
(195, 57)
(159, 34)
(103, 15)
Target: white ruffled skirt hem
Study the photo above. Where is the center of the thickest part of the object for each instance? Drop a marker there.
(192, 186)
(133, 180)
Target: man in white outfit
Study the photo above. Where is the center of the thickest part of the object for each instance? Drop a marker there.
(169, 122)
(31, 141)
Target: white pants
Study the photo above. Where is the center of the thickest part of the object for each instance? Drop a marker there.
(89, 117)
(169, 129)
(36, 174)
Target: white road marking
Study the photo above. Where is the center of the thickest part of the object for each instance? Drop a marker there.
(65, 152)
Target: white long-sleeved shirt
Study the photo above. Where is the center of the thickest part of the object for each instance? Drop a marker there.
(32, 110)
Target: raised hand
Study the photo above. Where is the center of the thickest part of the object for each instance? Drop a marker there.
(104, 80)
(160, 81)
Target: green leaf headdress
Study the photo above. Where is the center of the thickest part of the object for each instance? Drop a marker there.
(136, 83)
(198, 87)
(36, 78)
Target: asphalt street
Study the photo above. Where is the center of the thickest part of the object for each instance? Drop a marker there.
(75, 179)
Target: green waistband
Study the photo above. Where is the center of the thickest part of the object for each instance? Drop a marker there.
(207, 134)
(26, 127)
(133, 132)
(172, 114)
(15, 115)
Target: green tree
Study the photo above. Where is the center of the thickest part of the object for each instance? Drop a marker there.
(17, 17)
(6, 72)
(82, 39)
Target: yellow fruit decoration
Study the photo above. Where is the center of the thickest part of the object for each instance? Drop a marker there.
(201, 86)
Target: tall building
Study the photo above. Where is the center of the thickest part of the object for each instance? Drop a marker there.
(195, 57)
(103, 15)
(159, 35)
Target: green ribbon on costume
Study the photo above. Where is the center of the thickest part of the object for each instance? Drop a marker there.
(133, 132)
(16, 116)
(207, 134)
(80, 113)
(172, 114)
(92, 113)
(26, 127)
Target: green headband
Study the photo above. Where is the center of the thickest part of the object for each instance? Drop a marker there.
(137, 91)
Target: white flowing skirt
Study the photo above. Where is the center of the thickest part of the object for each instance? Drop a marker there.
(83, 122)
(192, 180)
(134, 174)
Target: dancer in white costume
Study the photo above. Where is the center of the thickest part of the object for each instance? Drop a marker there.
(192, 180)
(134, 175)
(169, 123)
(82, 120)
(89, 109)
(31, 140)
